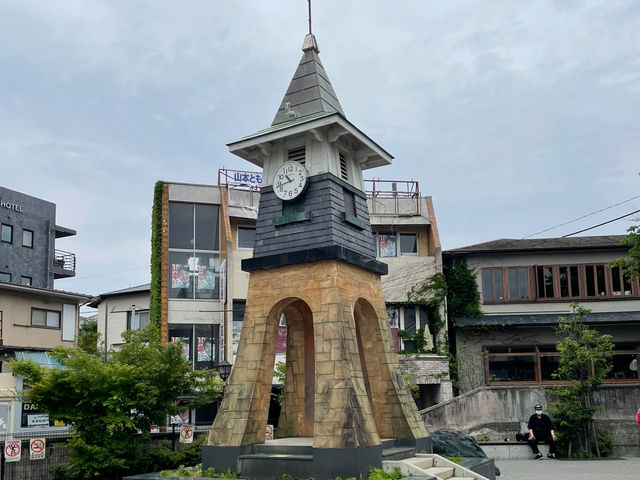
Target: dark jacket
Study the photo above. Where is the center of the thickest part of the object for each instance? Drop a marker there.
(542, 425)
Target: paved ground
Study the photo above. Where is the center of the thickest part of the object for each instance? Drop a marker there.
(545, 469)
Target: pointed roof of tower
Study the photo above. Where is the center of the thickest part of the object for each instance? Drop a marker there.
(310, 91)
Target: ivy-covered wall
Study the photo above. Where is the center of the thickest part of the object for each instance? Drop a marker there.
(155, 301)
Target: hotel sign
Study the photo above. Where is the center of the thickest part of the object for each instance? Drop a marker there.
(11, 206)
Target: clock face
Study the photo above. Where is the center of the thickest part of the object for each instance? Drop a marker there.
(289, 180)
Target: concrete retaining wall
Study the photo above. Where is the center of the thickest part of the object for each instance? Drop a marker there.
(501, 412)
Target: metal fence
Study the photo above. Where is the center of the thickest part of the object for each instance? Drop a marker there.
(37, 459)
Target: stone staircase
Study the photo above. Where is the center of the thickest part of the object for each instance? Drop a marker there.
(427, 465)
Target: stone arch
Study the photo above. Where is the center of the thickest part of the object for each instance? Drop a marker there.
(297, 413)
(387, 390)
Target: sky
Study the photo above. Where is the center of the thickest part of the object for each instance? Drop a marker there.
(514, 116)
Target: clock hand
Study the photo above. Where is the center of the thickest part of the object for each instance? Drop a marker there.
(287, 177)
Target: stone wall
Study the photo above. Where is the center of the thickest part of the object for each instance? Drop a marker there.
(429, 370)
(501, 412)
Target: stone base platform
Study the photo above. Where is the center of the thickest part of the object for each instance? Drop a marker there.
(297, 457)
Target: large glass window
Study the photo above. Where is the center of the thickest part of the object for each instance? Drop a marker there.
(194, 259)
(45, 318)
(27, 238)
(246, 237)
(199, 343)
(6, 233)
(390, 244)
(410, 320)
(515, 367)
(518, 283)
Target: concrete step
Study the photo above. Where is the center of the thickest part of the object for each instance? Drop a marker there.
(440, 472)
(421, 462)
(398, 453)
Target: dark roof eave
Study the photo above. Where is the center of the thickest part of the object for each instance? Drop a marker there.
(546, 319)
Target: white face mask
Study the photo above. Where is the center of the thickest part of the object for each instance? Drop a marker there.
(538, 412)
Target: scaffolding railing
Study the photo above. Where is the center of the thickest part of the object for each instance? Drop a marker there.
(396, 190)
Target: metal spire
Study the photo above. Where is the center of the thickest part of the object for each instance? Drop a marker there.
(309, 2)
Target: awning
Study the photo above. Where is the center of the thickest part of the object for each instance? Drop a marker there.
(44, 359)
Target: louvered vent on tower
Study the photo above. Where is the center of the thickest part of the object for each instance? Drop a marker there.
(344, 173)
(297, 155)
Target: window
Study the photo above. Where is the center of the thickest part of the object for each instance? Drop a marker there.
(27, 238)
(45, 318)
(518, 283)
(545, 282)
(408, 244)
(344, 172)
(386, 245)
(24, 280)
(5, 277)
(246, 237)
(138, 321)
(555, 282)
(6, 235)
(199, 343)
(194, 258)
(296, 155)
(538, 364)
(349, 202)
(492, 284)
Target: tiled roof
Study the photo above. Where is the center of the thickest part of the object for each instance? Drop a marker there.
(547, 319)
(529, 244)
(310, 91)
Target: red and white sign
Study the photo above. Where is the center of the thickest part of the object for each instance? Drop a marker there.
(269, 432)
(155, 429)
(37, 448)
(12, 450)
(186, 434)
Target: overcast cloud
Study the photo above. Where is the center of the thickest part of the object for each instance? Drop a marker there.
(514, 116)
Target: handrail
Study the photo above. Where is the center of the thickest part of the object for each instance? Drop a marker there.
(64, 260)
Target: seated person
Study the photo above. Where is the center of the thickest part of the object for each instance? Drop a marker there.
(541, 430)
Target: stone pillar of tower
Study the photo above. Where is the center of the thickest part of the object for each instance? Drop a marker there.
(314, 261)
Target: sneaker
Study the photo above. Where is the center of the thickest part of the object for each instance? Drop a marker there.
(552, 456)
(538, 456)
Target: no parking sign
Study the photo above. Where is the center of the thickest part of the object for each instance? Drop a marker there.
(12, 450)
(37, 448)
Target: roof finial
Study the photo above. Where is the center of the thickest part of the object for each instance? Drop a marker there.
(310, 43)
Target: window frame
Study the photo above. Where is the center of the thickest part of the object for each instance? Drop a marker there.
(2, 230)
(8, 275)
(22, 277)
(46, 318)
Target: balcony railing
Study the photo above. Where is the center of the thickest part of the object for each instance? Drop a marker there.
(64, 260)
(399, 191)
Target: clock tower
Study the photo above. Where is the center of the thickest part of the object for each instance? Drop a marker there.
(314, 265)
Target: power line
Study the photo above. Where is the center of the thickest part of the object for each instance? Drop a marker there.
(583, 216)
(600, 224)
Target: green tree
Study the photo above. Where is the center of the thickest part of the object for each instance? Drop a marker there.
(630, 265)
(107, 402)
(88, 336)
(585, 360)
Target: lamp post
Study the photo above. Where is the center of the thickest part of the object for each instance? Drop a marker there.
(224, 370)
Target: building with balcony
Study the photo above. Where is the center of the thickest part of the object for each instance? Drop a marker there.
(28, 234)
